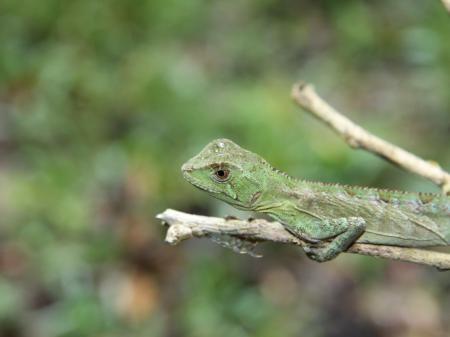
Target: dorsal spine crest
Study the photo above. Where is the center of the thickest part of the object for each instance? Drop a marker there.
(383, 194)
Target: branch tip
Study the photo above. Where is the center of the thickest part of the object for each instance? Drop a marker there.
(177, 233)
(446, 4)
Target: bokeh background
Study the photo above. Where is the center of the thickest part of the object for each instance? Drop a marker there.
(102, 101)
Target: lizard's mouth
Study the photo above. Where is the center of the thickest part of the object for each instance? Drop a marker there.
(187, 174)
(186, 168)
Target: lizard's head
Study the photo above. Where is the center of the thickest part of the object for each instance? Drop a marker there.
(227, 172)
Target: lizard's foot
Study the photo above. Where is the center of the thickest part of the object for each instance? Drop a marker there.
(318, 254)
(355, 227)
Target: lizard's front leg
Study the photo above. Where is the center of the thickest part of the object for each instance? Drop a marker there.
(348, 229)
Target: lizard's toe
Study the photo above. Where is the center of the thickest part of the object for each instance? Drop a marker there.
(317, 254)
(313, 253)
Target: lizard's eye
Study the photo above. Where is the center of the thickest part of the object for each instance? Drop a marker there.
(222, 174)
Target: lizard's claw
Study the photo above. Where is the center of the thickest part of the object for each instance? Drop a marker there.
(316, 254)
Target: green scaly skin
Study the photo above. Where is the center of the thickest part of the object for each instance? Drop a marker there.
(336, 215)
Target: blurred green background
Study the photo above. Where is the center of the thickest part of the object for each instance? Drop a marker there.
(102, 101)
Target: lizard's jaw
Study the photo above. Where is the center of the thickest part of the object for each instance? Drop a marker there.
(196, 183)
(187, 174)
(187, 171)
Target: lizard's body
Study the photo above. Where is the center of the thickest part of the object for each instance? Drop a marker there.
(318, 212)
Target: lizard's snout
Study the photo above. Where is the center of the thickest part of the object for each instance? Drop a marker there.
(186, 167)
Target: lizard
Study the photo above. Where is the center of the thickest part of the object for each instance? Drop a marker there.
(327, 217)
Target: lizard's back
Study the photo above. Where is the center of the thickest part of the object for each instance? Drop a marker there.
(392, 217)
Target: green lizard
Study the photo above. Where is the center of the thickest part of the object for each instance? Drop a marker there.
(331, 214)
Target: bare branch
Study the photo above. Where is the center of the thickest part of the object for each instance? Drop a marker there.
(183, 226)
(357, 137)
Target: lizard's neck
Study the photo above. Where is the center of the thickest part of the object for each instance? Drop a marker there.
(279, 188)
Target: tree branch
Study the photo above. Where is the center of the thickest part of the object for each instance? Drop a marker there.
(183, 226)
(357, 137)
